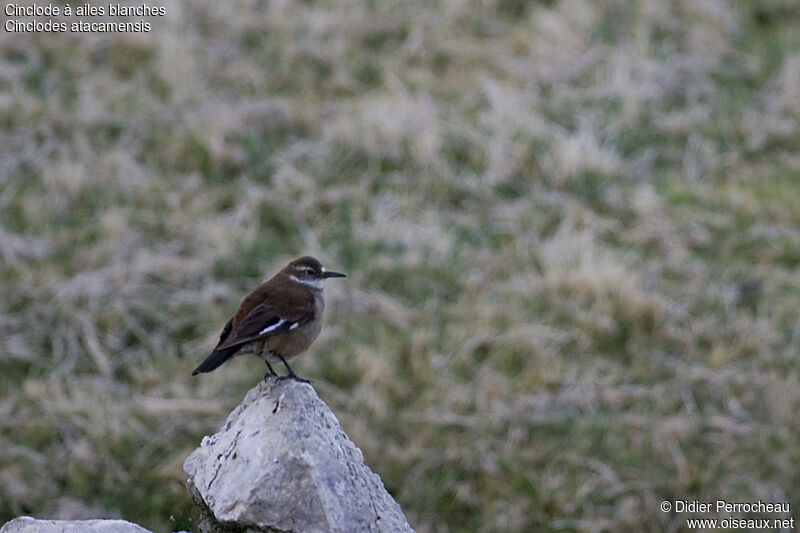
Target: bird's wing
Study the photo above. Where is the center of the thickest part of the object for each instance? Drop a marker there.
(263, 320)
(226, 331)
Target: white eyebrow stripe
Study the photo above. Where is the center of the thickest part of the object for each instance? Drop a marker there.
(272, 327)
(294, 326)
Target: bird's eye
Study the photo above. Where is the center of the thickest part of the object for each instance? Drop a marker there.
(308, 270)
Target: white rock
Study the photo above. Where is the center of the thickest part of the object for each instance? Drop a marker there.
(26, 524)
(282, 462)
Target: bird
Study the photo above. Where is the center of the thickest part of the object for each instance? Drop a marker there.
(278, 320)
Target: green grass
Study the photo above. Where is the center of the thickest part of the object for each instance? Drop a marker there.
(547, 213)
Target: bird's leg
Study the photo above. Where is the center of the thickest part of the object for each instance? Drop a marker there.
(291, 372)
(271, 372)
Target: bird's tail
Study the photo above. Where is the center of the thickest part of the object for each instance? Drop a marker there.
(216, 358)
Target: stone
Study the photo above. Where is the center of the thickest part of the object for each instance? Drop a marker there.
(27, 524)
(281, 462)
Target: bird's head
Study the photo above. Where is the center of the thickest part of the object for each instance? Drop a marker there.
(310, 272)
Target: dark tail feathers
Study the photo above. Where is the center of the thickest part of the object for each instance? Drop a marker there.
(216, 358)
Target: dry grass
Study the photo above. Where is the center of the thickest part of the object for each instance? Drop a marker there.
(551, 215)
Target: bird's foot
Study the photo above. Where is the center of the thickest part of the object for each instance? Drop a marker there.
(270, 373)
(294, 377)
(291, 372)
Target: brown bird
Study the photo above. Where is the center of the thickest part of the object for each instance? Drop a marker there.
(278, 320)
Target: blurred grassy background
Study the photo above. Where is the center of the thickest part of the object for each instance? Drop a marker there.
(571, 229)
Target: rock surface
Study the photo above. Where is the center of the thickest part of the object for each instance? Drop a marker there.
(27, 524)
(281, 462)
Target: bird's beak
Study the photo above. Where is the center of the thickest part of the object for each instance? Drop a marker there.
(332, 274)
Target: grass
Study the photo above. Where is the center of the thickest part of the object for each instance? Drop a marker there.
(551, 215)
